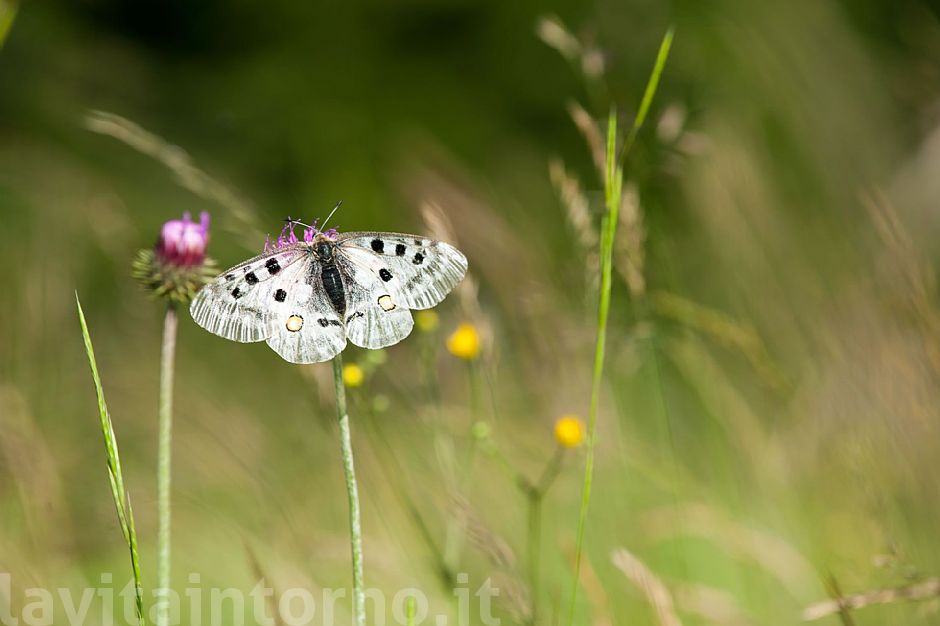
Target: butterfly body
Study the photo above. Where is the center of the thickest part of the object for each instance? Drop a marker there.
(307, 298)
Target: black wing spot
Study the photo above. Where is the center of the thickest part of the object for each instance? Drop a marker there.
(385, 274)
(419, 258)
(378, 245)
(418, 242)
(250, 278)
(354, 316)
(335, 323)
(236, 293)
(323, 322)
(280, 295)
(400, 249)
(273, 266)
(230, 277)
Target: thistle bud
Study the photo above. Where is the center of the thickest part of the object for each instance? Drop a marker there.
(177, 266)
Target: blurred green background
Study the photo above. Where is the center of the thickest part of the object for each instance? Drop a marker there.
(769, 421)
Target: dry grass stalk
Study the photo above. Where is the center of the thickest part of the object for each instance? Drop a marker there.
(551, 30)
(593, 63)
(576, 204)
(671, 123)
(440, 227)
(31, 468)
(179, 162)
(917, 281)
(479, 535)
(652, 588)
(629, 247)
(514, 593)
(734, 335)
(929, 588)
(715, 606)
(768, 551)
(258, 572)
(514, 596)
(579, 216)
(592, 135)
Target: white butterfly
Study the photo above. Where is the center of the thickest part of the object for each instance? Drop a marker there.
(306, 298)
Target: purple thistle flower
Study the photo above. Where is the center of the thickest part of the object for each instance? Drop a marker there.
(310, 232)
(288, 237)
(177, 266)
(183, 242)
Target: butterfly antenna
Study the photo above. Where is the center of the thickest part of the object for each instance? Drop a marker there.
(299, 223)
(338, 205)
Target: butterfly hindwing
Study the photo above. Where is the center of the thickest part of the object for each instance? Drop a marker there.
(375, 318)
(419, 271)
(307, 329)
(239, 305)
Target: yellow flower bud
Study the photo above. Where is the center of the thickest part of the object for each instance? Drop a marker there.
(464, 342)
(353, 375)
(480, 430)
(569, 431)
(427, 321)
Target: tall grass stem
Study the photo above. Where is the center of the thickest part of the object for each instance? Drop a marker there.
(613, 193)
(164, 461)
(352, 492)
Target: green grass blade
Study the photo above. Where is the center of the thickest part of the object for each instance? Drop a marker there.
(116, 478)
(613, 191)
(651, 86)
(8, 10)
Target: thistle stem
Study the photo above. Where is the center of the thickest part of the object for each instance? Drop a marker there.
(164, 455)
(352, 491)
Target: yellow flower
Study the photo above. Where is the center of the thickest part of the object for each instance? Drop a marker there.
(569, 431)
(353, 375)
(427, 321)
(464, 342)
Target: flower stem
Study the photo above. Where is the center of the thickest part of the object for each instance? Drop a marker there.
(457, 522)
(534, 544)
(352, 491)
(535, 495)
(164, 456)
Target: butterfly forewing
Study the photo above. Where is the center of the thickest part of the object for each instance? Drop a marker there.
(418, 271)
(240, 303)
